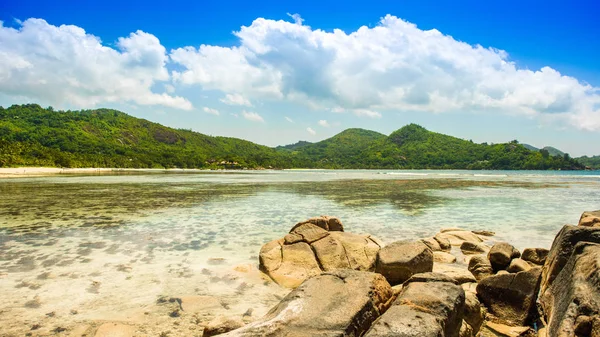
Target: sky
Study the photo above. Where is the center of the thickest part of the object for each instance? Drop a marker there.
(276, 72)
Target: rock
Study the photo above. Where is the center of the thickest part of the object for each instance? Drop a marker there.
(468, 247)
(535, 255)
(474, 314)
(456, 238)
(466, 330)
(511, 297)
(458, 274)
(480, 267)
(571, 300)
(288, 265)
(453, 229)
(443, 242)
(590, 219)
(432, 244)
(310, 249)
(517, 265)
(222, 324)
(430, 277)
(328, 223)
(507, 331)
(484, 233)
(470, 287)
(501, 254)
(423, 309)
(338, 303)
(443, 257)
(115, 330)
(400, 260)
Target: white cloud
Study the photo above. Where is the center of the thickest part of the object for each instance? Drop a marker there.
(63, 65)
(235, 99)
(311, 131)
(289, 119)
(297, 18)
(252, 116)
(235, 115)
(211, 111)
(324, 123)
(393, 66)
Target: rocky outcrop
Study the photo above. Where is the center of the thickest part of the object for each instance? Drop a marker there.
(570, 291)
(480, 267)
(590, 219)
(457, 236)
(517, 265)
(313, 246)
(535, 255)
(474, 314)
(443, 257)
(424, 309)
(221, 325)
(501, 254)
(338, 303)
(511, 297)
(433, 244)
(400, 260)
(455, 272)
(468, 247)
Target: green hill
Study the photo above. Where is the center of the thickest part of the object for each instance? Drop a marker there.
(33, 136)
(591, 162)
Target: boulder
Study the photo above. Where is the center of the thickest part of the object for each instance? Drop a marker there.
(430, 277)
(590, 219)
(484, 233)
(571, 300)
(400, 260)
(424, 309)
(517, 265)
(432, 244)
(221, 325)
(459, 274)
(310, 249)
(501, 254)
(337, 303)
(468, 247)
(466, 330)
(480, 267)
(457, 237)
(493, 329)
(511, 297)
(535, 255)
(443, 242)
(443, 257)
(474, 314)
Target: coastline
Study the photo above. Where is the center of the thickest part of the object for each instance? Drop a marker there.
(12, 172)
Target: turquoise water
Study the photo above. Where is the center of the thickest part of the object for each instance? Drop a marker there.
(144, 235)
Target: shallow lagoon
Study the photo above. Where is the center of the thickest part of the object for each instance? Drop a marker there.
(79, 250)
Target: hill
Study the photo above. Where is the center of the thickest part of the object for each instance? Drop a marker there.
(591, 162)
(33, 136)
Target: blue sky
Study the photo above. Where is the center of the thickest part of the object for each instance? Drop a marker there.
(535, 77)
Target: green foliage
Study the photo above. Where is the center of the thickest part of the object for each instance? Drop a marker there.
(591, 162)
(33, 136)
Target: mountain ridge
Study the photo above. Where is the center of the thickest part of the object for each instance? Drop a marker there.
(33, 136)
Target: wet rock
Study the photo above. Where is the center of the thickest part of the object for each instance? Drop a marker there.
(115, 330)
(511, 297)
(517, 265)
(590, 219)
(459, 274)
(422, 309)
(501, 254)
(432, 244)
(570, 295)
(400, 260)
(473, 248)
(535, 255)
(457, 237)
(443, 257)
(221, 325)
(309, 249)
(357, 299)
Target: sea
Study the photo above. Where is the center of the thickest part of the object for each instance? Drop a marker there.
(77, 251)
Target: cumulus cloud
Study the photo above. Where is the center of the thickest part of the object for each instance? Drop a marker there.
(65, 65)
(394, 66)
(289, 119)
(311, 131)
(211, 111)
(252, 116)
(235, 99)
(324, 123)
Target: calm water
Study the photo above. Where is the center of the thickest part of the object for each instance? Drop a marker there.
(106, 247)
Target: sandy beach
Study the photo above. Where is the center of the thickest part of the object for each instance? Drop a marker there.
(8, 172)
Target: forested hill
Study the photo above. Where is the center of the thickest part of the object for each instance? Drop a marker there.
(33, 136)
